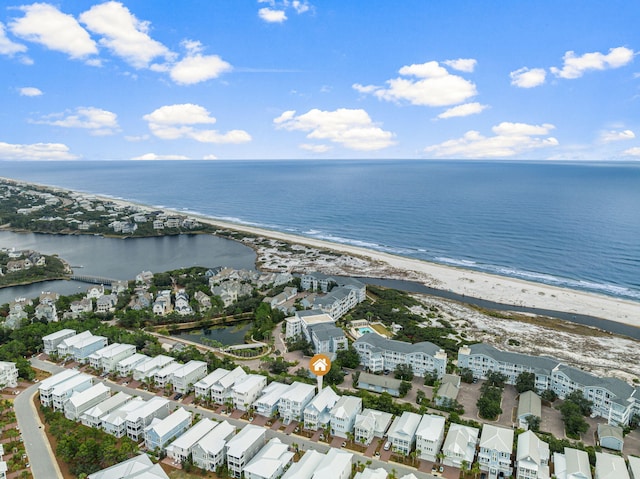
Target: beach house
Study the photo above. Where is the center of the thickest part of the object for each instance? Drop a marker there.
(402, 434)
(609, 466)
(343, 415)
(573, 464)
(371, 423)
(158, 434)
(202, 388)
(147, 369)
(270, 461)
(125, 366)
(115, 422)
(92, 417)
(63, 391)
(532, 457)
(187, 375)
(429, 436)
(294, 400)
(221, 390)
(460, 445)
(529, 406)
(107, 358)
(496, 446)
(181, 447)
(317, 413)
(137, 467)
(8, 375)
(246, 390)
(50, 341)
(242, 447)
(78, 403)
(267, 404)
(138, 419)
(46, 386)
(209, 452)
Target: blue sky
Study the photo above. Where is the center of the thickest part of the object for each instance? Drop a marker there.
(235, 79)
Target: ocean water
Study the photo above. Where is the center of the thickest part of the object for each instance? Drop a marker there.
(575, 225)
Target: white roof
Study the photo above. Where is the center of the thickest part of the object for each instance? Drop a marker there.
(297, 391)
(305, 467)
(458, 439)
(325, 399)
(118, 416)
(430, 427)
(133, 359)
(496, 438)
(272, 457)
(168, 369)
(347, 407)
(159, 361)
(88, 341)
(80, 398)
(149, 407)
(405, 425)
(335, 460)
(239, 443)
(532, 449)
(215, 440)
(102, 352)
(189, 368)
(73, 340)
(71, 383)
(167, 424)
(119, 349)
(108, 404)
(57, 379)
(58, 334)
(230, 379)
(609, 466)
(194, 434)
(379, 473)
(634, 465)
(211, 378)
(272, 394)
(577, 462)
(248, 383)
(139, 467)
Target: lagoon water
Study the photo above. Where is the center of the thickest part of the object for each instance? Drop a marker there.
(569, 224)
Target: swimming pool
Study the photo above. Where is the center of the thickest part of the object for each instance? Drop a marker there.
(365, 330)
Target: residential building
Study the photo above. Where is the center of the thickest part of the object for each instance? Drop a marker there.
(494, 456)
(317, 414)
(242, 447)
(163, 377)
(402, 433)
(50, 341)
(182, 446)
(221, 391)
(336, 464)
(460, 445)
(82, 349)
(529, 405)
(106, 303)
(246, 390)
(326, 283)
(343, 415)
(46, 387)
(369, 473)
(148, 369)
(573, 464)
(92, 417)
(306, 467)
(125, 367)
(379, 354)
(634, 467)
(327, 338)
(80, 402)
(267, 404)
(370, 423)
(447, 393)
(209, 452)
(107, 358)
(429, 436)
(338, 301)
(532, 457)
(115, 422)
(270, 462)
(77, 308)
(611, 437)
(8, 375)
(609, 466)
(203, 387)
(294, 400)
(318, 328)
(158, 434)
(138, 419)
(139, 467)
(66, 389)
(187, 375)
(379, 384)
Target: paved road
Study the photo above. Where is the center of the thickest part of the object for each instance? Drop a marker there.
(302, 442)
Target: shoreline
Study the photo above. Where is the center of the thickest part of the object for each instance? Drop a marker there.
(465, 282)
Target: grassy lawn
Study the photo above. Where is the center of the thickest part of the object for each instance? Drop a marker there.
(178, 474)
(379, 328)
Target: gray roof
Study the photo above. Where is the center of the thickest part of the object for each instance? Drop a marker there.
(605, 430)
(529, 404)
(382, 381)
(326, 331)
(621, 389)
(541, 364)
(377, 341)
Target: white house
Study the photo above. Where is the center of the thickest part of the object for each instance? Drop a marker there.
(496, 445)
(532, 457)
(529, 405)
(108, 357)
(148, 369)
(181, 447)
(609, 466)
(135, 468)
(138, 419)
(126, 366)
(186, 376)
(66, 389)
(369, 473)
(402, 433)
(161, 431)
(45, 389)
(242, 447)
(246, 390)
(573, 464)
(371, 423)
(317, 414)
(164, 376)
(270, 462)
(8, 374)
(92, 417)
(611, 437)
(78, 403)
(294, 400)
(221, 391)
(336, 464)
(343, 415)
(429, 436)
(50, 341)
(460, 445)
(82, 349)
(634, 467)
(203, 386)
(306, 467)
(209, 452)
(267, 404)
(115, 422)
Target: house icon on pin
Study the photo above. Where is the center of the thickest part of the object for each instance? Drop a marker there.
(320, 364)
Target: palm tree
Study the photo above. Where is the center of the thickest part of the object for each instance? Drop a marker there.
(475, 469)
(464, 467)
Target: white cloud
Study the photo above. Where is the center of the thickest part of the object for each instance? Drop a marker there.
(315, 148)
(197, 68)
(36, 151)
(635, 151)
(510, 139)
(153, 156)
(48, 26)
(433, 85)
(7, 47)
(99, 122)
(272, 16)
(300, 7)
(463, 110)
(123, 34)
(134, 138)
(528, 78)
(616, 135)
(30, 91)
(210, 157)
(462, 64)
(576, 66)
(172, 122)
(352, 129)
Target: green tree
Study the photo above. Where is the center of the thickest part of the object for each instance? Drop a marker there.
(405, 387)
(349, 358)
(525, 382)
(404, 372)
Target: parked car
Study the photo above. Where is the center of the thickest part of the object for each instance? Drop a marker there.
(387, 446)
(177, 396)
